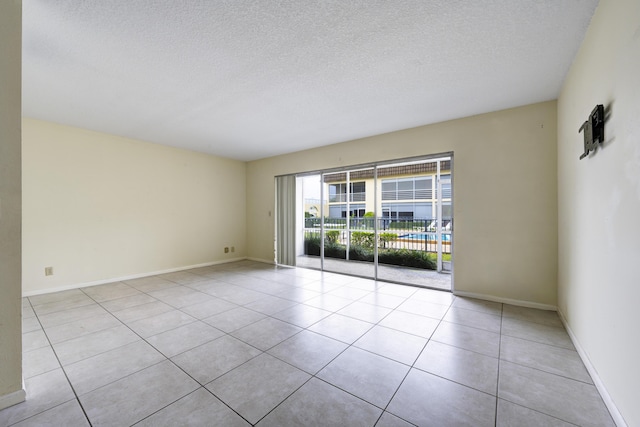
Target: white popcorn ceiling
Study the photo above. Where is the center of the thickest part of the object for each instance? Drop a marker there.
(252, 79)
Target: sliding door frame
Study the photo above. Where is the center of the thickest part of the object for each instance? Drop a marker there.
(375, 166)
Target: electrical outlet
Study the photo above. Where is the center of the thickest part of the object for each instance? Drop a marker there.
(48, 271)
(226, 250)
(233, 248)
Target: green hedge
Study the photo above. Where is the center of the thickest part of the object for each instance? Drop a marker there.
(402, 257)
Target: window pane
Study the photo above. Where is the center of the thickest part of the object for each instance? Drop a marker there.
(405, 184)
(388, 185)
(357, 187)
(423, 210)
(447, 213)
(336, 211)
(423, 183)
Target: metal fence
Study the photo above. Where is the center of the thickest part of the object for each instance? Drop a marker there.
(393, 233)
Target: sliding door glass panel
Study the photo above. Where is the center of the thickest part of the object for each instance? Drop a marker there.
(310, 210)
(348, 226)
(408, 222)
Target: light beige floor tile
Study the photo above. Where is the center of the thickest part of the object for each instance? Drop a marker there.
(82, 327)
(258, 386)
(548, 358)
(34, 340)
(366, 312)
(469, 338)
(569, 400)
(105, 368)
(341, 328)
(488, 307)
(182, 277)
(320, 404)
(536, 332)
(234, 319)
(77, 349)
(266, 333)
(71, 315)
(110, 291)
(199, 408)
(181, 296)
(68, 414)
(509, 414)
(139, 312)
(410, 323)
(465, 367)
(328, 302)
(44, 392)
(473, 318)
(425, 399)
(183, 338)
(544, 317)
(137, 396)
(395, 345)
(270, 305)
(302, 315)
(30, 324)
(73, 301)
(208, 308)
(127, 302)
(207, 362)
(424, 308)
(308, 351)
(38, 361)
(159, 323)
(389, 420)
(55, 296)
(368, 376)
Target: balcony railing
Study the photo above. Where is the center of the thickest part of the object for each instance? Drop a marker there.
(393, 233)
(342, 198)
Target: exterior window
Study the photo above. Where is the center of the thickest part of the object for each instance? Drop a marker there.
(407, 211)
(356, 210)
(335, 211)
(447, 213)
(338, 192)
(407, 188)
(446, 186)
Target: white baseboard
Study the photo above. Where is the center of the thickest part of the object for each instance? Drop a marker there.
(520, 303)
(606, 397)
(129, 277)
(12, 398)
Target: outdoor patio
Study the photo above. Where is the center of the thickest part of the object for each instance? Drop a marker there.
(398, 274)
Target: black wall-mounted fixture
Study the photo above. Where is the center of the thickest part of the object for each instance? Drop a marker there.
(593, 130)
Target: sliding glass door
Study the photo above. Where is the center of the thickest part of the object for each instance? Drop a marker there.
(391, 221)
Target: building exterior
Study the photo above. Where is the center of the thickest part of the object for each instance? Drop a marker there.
(404, 193)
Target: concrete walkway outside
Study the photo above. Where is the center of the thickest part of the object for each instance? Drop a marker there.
(408, 275)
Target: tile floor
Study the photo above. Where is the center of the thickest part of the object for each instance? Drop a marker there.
(248, 343)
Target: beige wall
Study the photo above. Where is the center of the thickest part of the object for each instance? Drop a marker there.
(10, 204)
(599, 203)
(505, 204)
(98, 207)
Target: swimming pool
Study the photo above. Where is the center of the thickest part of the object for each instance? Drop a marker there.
(424, 236)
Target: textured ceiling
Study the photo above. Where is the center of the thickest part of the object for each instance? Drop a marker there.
(252, 79)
